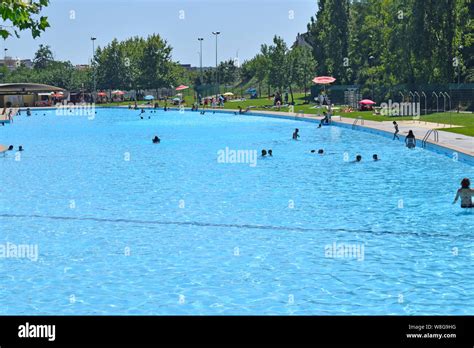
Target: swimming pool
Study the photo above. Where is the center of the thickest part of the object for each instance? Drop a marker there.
(124, 226)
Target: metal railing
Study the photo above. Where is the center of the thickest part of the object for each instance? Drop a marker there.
(357, 120)
(427, 135)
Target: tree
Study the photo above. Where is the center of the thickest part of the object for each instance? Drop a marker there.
(156, 65)
(111, 69)
(304, 67)
(21, 15)
(43, 57)
(277, 74)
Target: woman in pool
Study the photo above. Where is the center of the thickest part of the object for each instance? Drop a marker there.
(156, 140)
(410, 140)
(466, 193)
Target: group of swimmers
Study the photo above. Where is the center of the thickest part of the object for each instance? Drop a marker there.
(358, 158)
(20, 148)
(264, 153)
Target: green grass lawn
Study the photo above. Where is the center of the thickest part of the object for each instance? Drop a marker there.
(465, 120)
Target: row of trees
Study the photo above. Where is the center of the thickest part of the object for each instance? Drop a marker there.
(281, 68)
(382, 43)
(393, 41)
(49, 71)
(138, 63)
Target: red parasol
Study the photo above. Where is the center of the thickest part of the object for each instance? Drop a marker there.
(323, 80)
(367, 102)
(180, 88)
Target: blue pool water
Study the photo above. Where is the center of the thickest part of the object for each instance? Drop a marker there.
(124, 226)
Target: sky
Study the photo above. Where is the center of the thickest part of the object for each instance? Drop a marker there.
(244, 26)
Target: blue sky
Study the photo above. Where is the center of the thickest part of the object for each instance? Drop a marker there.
(244, 24)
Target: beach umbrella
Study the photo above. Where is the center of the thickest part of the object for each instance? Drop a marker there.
(118, 92)
(323, 80)
(102, 94)
(149, 97)
(251, 90)
(367, 102)
(229, 94)
(182, 87)
(176, 99)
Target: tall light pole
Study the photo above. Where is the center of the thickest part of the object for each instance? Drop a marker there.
(216, 33)
(93, 64)
(200, 55)
(201, 39)
(371, 58)
(459, 75)
(5, 56)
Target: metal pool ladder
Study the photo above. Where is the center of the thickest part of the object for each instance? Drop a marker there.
(357, 120)
(427, 135)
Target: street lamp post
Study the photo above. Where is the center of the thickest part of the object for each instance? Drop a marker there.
(216, 33)
(200, 55)
(94, 73)
(371, 58)
(5, 55)
(459, 76)
(200, 63)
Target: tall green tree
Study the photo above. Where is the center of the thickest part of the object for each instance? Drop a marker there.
(43, 57)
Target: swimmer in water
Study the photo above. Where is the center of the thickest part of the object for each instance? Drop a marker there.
(320, 151)
(20, 148)
(264, 153)
(156, 140)
(465, 193)
(270, 153)
(410, 140)
(295, 134)
(375, 157)
(358, 159)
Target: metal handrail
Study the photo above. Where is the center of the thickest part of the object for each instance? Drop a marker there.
(357, 120)
(427, 135)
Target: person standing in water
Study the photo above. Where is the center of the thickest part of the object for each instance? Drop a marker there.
(295, 134)
(395, 125)
(410, 140)
(466, 193)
